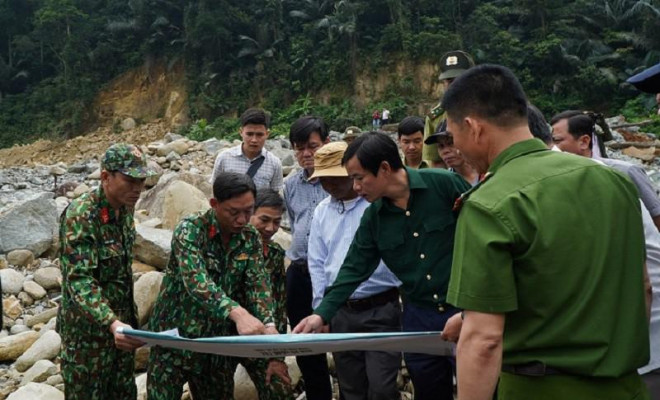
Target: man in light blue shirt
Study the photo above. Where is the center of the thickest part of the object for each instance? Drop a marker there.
(374, 306)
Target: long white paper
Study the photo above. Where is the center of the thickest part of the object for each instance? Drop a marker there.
(266, 346)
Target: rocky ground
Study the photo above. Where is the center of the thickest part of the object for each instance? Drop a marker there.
(38, 181)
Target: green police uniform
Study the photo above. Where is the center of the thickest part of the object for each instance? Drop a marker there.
(256, 367)
(556, 243)
(433, 119)
(97, 289)
(452, 65)
(204, 281)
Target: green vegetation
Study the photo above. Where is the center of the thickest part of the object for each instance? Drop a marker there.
(302, 56)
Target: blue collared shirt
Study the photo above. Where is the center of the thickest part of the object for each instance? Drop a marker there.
(330, 236)
(301, 198)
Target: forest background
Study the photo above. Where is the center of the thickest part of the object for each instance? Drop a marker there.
(296, 57)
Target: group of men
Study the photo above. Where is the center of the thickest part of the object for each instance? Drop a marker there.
(533, 260)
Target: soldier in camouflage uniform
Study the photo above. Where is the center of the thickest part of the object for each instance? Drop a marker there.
(267, 217)
(96, 237)
(216, 266)
(452, 65)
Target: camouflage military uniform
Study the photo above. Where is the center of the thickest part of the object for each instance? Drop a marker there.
(204, 281)
(256, 367)
(433, 120)
(97, 289)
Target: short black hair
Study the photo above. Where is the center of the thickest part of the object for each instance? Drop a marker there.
(305, 126)
(488, 91)
(228, 185)
(410, 125)
(255, 116)
(267, 197)
(579, 123)
(371, 149)
(538, 125)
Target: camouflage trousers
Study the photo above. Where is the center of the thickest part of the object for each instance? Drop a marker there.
(209, 377)
(97, 372)
(277, 390)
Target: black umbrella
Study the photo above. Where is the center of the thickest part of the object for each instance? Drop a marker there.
(648, 80)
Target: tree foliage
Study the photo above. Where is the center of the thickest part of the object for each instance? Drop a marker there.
(56, 54)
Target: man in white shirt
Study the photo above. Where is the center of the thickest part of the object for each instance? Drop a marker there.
(374, 306)
(251, 157)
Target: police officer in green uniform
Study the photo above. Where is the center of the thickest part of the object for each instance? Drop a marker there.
(96, 237)
(559, 314)
(215, 284)
(452, 65)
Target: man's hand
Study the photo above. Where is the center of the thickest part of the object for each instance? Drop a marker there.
(123, 342)
(312, 324)
(246, 324)
(270, 330)
(278, 368)
(452, 329)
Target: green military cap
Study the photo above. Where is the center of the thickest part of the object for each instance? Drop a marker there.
(127, 159)
(352, 132)
(454, 63)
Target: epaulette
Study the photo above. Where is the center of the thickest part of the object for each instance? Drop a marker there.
(458, 204)
(436, 111)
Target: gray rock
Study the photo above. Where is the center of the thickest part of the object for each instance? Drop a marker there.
(54, 380)
(152, 200)
(30, 225)
(61, 203)
(213, 146)
(12, 281)
(283, 238)
(181, 199)
(95, 175)
(34, 289)
(81, 189)
(153, 180)
(171, 137)
(127, 124)
(49, 277)
(42, 317)
(16, 329)
(36, 391)
(25, 299)
(243, 387)
(20, 258)
(180, 147)
(51, 325)
(11, 347)
(146, 291)
(39, 372)
(172, 156)
(152, 246)
(45, 348)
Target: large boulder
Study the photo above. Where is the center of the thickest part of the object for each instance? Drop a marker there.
(45, 348)
(48, 277)
(36, 391)
(30, 225)
(283, 238)
(11, 347)
(179, 200)
(12, 281)
(146, 291)
(152, 199)
(152, 246)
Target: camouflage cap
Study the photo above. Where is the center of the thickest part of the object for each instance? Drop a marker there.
(352, 132)
(454, 63)
(127, 159)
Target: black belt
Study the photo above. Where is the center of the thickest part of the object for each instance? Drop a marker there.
(531, 369)
(376, 300)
